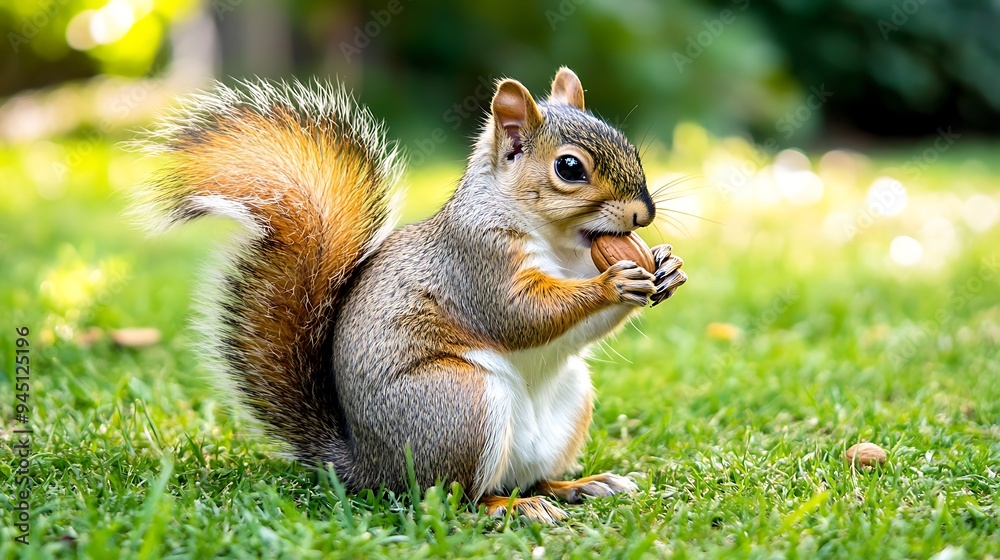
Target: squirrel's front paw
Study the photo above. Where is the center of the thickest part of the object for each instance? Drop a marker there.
(669, 275)
(630, 283)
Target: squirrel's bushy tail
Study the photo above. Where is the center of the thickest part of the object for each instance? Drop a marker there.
(310, 175)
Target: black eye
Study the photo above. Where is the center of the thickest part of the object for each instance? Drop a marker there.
(570, 169)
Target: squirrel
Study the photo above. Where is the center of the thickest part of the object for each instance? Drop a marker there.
(457, 343)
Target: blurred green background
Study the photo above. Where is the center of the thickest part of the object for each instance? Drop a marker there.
(834, 168)
(891, 68)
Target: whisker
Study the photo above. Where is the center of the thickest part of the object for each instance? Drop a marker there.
(675, 223)
(635, 321)
(666, 186)
(622, 125)
(677, 194)
(694, 216)
(681, 179)
(606, 343)
(642, 149)
(676, 182)
(608, 356)
(657, 228)
(592, 220)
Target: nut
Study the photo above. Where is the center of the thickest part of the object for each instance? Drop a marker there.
(722, 331)
(609, 249)
(135, 337)
(866, 455)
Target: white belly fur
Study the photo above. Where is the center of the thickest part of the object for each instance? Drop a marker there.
(535, 397)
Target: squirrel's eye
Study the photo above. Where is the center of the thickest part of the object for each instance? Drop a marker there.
(570, 169)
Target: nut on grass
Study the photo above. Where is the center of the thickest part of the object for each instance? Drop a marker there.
(135, 337)
(866, 455)
(606, 250)
(722, 331)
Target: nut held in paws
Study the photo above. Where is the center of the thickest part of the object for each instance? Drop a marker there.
(609, 249)
(865, 455)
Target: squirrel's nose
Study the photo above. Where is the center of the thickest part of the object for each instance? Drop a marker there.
(640, 213)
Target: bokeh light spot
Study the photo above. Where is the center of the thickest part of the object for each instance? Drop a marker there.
(886, 197)
(906, 251)
(980, 212)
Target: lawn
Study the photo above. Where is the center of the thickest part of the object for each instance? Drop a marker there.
(807, 326)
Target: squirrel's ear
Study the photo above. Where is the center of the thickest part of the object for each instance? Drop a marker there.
(567, 89)
(514, 111)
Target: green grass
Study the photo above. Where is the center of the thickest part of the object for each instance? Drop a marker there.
(736, 445)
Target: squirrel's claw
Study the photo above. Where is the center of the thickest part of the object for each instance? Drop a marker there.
(667, 286)
(661, 253)
(668, 275)
(668, 267)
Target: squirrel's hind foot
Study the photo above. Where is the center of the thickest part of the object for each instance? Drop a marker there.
(597, 486)
(534, 508)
